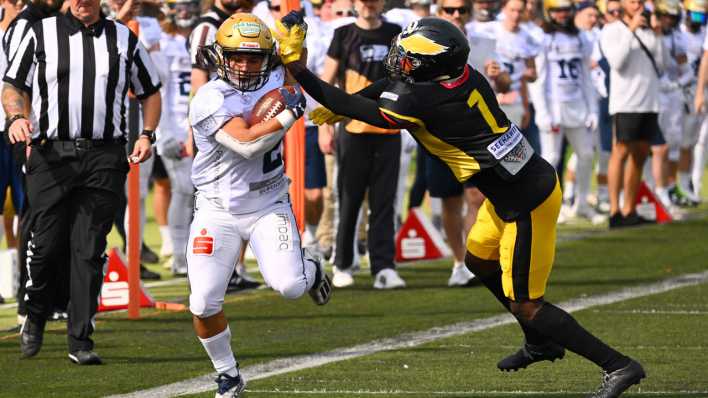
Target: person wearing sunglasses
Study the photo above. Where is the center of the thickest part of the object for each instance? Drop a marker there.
(634, 104)
(611, 10)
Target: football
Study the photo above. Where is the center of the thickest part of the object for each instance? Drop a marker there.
(269, 105)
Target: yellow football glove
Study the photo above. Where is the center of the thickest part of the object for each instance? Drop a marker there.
(290, 41)
(322, 115)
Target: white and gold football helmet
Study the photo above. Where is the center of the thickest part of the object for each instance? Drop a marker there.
(244, 34)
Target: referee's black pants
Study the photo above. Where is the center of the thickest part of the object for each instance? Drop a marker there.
(367, 162)
(73, 196)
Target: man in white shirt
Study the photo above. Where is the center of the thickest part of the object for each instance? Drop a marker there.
(635, 53)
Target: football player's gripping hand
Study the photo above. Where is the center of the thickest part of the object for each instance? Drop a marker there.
(290, 34)
(294, 102)
(322, 115)
(294, 107)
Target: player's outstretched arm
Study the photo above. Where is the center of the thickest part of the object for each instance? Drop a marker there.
(291, 37)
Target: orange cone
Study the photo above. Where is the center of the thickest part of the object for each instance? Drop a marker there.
(114, 292)
(418, 239)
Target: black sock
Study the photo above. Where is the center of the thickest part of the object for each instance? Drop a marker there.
(494, 284)
(566, 331)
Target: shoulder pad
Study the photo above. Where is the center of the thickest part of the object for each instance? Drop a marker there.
(203, 108)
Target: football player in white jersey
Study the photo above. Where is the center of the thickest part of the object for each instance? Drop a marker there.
(567, 106)
(172, 134)
(242, 190)
(515, 50)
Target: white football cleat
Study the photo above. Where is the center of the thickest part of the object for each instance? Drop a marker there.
(460, 276)
(342, 278)
(590, 214)
(388, 278)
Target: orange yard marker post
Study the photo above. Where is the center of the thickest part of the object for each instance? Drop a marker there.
(134, 226)
(295, 155)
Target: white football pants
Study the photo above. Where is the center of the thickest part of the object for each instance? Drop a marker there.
(179, 214)
(215, 242)
(582, 142)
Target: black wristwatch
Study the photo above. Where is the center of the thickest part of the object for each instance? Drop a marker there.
(150, 134)
(11, 119)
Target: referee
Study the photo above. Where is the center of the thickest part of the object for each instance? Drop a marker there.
(77, 68)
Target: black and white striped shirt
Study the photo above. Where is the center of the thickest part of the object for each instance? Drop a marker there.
(78, 77)
(20, 26)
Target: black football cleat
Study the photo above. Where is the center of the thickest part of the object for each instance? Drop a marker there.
(31, 337)
(615, 383)
(148, 256)
(85, 358)
(529, 354)
(321, 290)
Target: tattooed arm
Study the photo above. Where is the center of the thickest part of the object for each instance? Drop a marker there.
(16, 103)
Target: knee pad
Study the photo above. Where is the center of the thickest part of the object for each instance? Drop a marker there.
(200, 308)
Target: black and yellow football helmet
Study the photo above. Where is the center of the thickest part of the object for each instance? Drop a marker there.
(430, 49)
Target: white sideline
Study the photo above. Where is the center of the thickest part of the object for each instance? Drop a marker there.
(286, 365)
(476, 393)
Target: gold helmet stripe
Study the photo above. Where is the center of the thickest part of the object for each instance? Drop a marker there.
(419, 44)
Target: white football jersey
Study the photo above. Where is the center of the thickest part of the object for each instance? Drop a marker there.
(564, 80)
(675, 45)
(176, 87)
(226, 178)
(513, 48)
(694, 47)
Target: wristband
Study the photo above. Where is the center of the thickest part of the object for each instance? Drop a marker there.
(11, 119)
(286, 119)
(149, 134)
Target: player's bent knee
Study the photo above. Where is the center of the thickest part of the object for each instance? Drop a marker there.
(526, 310)
(480, 267)
(291, 289)
(202, 308)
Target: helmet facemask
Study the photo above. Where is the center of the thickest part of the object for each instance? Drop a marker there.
(240, 79)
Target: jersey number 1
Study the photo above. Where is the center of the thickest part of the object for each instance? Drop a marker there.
(476, 99)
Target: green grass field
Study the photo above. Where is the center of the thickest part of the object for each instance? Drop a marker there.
(666, 331)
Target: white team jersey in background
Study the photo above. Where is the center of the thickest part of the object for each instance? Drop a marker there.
(227, 179)
(176, 86)
(694, 47)
(512, 48)
(564, 80)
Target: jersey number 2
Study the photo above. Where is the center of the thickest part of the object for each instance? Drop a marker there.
(270, 164)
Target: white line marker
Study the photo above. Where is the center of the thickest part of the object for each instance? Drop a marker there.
(408, 340)
(475, 393)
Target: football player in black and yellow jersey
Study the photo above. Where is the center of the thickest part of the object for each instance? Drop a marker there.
(451, 110)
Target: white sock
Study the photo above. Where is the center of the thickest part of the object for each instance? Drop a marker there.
(218, 348)
(603, 194)
(308, 237)
(569, 190)
(684, 181)
(164, 233)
